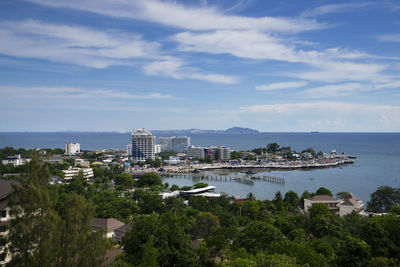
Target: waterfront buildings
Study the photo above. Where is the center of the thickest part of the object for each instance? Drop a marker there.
(220, 153)
(16, 160)
(142, 145)
(71, 172)
(72, 148)
(174, 143)
(339, 207)
(157, 149)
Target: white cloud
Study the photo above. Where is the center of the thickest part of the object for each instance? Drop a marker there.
(335, 90)
(184, 17)
(281, 85)
(389, 38)
(176, 69)
(326, 9)
(72, 44)
(14, 94)
(327, 116)
(330, 65)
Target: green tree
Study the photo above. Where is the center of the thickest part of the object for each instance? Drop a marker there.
(272, 147)
(292, 198)
(324, 191)
(383, 199)
(353, 252)
(149, 179)
(259, 235)
(205, 224)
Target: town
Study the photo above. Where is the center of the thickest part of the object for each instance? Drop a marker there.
(125, 188)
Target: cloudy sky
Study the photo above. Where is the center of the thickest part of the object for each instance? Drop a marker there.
(114, 65)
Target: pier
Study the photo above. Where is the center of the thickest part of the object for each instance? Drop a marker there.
(240, 179)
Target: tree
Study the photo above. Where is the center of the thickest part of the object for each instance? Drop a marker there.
(149, 179)
(323, 191)
(342, 195)
(353, 252)
(383, 199)
(259, 235)
(292, 198)
(272, 147)
(205, 224)
(41, 235)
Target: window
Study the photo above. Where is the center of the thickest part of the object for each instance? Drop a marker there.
(3, 228)
(3, 214)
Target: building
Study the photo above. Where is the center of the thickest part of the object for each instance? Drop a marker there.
(180, 143)
(6, 188)
(157, 149)
(120, 232)
(222, 153)
(108, 225)
(72, 148)
(165, 143)
(174, 143)
(16, 160)
(142, 145)
(71, 172)
(129, 150)
(196, 152)
(339, 207)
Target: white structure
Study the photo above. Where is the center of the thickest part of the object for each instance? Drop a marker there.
(165, 143)
(222, 153)
(17, 160)
(142, 145)
(174, 143)
(173, 160)
(157, 149)
(72, 148)
(71, 172)
(129, 150)
(196, 152)
(339, 207)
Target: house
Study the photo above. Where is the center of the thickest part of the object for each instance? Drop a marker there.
(6, 188)
(71, 172)
(120, 232)
(54, 179)
(16, 160)
(339, 207)
(108, 225)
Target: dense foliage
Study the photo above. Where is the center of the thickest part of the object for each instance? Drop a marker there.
(54, 227)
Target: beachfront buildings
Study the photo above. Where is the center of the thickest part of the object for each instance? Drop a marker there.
(142, 145)
(220, 153)
(174, 143)
(72, 149)
(339, 207)
(71, 172)
(16, 160)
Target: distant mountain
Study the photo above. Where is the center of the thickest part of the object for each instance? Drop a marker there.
(240, 130)
(233, 130)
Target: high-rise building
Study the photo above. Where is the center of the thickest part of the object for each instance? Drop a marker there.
(142, 145)
(180, 143)
(72, 148)
(174, 143)
(222, 153)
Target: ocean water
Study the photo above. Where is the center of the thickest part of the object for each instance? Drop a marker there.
(378, 158)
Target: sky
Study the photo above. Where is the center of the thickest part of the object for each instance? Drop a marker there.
(275, 66)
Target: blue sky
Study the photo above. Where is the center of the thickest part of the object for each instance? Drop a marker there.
(114, 65)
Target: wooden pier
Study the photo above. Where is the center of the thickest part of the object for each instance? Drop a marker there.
(273, 179)
(241, 179)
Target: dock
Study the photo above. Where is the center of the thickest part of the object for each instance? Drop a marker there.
(240, 179)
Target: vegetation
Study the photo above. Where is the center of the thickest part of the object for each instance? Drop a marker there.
(52, 225)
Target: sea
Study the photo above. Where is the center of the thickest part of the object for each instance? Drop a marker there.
(377, 163)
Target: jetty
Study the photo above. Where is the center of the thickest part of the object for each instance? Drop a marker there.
(240, 179)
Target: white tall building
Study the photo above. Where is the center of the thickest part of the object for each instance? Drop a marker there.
(129, 149)
(72, 148)
(174, 143)
(142, 145)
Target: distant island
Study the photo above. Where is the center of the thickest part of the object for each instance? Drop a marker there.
(233, 130)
